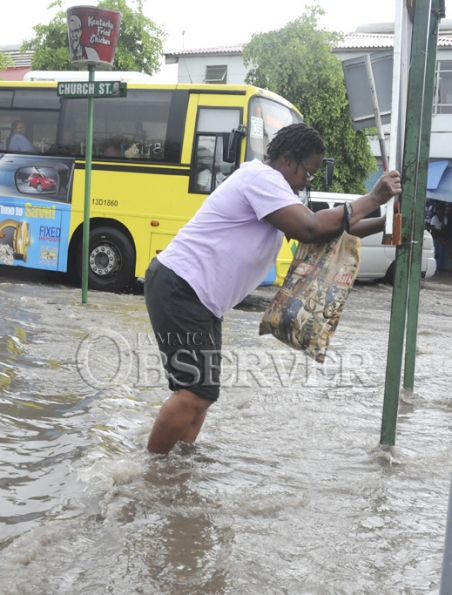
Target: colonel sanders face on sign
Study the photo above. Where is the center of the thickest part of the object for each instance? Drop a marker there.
(75, 33)
(78, 51)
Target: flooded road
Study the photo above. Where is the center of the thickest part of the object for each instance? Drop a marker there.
(287, 490)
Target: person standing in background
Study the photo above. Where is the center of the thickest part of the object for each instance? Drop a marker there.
(438, 226)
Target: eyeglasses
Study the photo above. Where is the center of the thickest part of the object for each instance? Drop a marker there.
(309, 176)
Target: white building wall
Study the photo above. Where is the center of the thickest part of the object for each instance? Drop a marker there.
(192, 69)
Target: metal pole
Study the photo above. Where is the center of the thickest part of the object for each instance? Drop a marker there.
(376, 108)
(409, 181)
(402, 44)
(419, 207)
(86, 215)
(446, 575)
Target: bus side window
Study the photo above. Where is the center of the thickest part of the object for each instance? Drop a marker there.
(147, 125)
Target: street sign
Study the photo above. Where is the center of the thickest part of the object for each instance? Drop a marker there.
(102, 89)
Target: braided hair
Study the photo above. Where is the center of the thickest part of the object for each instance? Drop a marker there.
(299, 140)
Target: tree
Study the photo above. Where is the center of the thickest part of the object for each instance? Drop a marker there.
(140, 42)
(297, 62)
(5, 61)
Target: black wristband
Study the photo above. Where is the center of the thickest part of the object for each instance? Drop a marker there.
(348, 213)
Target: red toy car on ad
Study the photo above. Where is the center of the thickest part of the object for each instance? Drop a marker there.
(40, 182)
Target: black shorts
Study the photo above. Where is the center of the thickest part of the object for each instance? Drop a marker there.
(188, 334)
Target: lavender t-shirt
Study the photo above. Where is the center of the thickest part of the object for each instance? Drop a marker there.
(227, 249)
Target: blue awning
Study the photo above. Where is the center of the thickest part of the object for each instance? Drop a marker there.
(439, 181)
(435, 173)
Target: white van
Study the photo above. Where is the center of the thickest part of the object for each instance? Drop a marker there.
(377, 259)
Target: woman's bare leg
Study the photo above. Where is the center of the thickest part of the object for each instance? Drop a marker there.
(180, 418)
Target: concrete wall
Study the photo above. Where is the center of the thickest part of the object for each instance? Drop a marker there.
(192, 69)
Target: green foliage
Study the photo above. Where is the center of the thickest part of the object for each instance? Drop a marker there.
(297, 62)
(140, 42)
(5, 61)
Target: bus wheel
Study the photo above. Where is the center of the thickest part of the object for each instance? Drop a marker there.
(111, 261)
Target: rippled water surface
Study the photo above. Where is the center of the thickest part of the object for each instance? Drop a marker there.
(286, 491)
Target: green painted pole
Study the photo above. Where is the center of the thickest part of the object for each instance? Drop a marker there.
(419, 207)
(86, 213)
(403, 259)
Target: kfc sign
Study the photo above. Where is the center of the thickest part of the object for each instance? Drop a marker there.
(93, 34)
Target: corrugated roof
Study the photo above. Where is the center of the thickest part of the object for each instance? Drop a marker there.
(365, 40)
(20, 59)
(222, 50)
(376, 40)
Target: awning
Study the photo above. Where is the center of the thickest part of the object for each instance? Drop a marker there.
(435, 173)
(439, 180)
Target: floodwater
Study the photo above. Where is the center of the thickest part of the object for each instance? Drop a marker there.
(287, 490)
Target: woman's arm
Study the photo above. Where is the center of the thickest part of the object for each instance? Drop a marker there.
(367, 227)
(299, 223)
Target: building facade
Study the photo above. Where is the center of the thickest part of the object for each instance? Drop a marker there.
(21, 63)
(222, 65)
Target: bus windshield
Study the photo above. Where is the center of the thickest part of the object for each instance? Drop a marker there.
(266, 117)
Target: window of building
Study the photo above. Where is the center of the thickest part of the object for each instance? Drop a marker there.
(216, 75)
(442, 102)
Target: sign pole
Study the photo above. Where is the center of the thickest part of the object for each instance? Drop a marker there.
(86, 215)
(92, 35)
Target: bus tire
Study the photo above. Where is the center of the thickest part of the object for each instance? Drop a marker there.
(111, 264)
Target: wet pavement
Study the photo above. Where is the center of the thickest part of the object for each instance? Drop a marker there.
(287, 490)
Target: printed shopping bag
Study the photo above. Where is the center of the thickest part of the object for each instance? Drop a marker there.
(305, 311)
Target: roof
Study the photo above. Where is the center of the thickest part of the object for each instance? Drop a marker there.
(365, 40)
(376, 41)
(221, 50)
(20, 59)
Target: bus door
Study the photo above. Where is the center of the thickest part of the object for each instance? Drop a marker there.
(216, 147)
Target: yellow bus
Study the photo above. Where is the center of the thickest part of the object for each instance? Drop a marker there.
(157, 154)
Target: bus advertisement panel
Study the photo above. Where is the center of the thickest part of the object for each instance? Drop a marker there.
(34, 211)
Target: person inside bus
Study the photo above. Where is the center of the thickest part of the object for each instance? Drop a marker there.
(204, 179)
(18, 141)
(223, 253)
(137, 146)
(206, 163)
